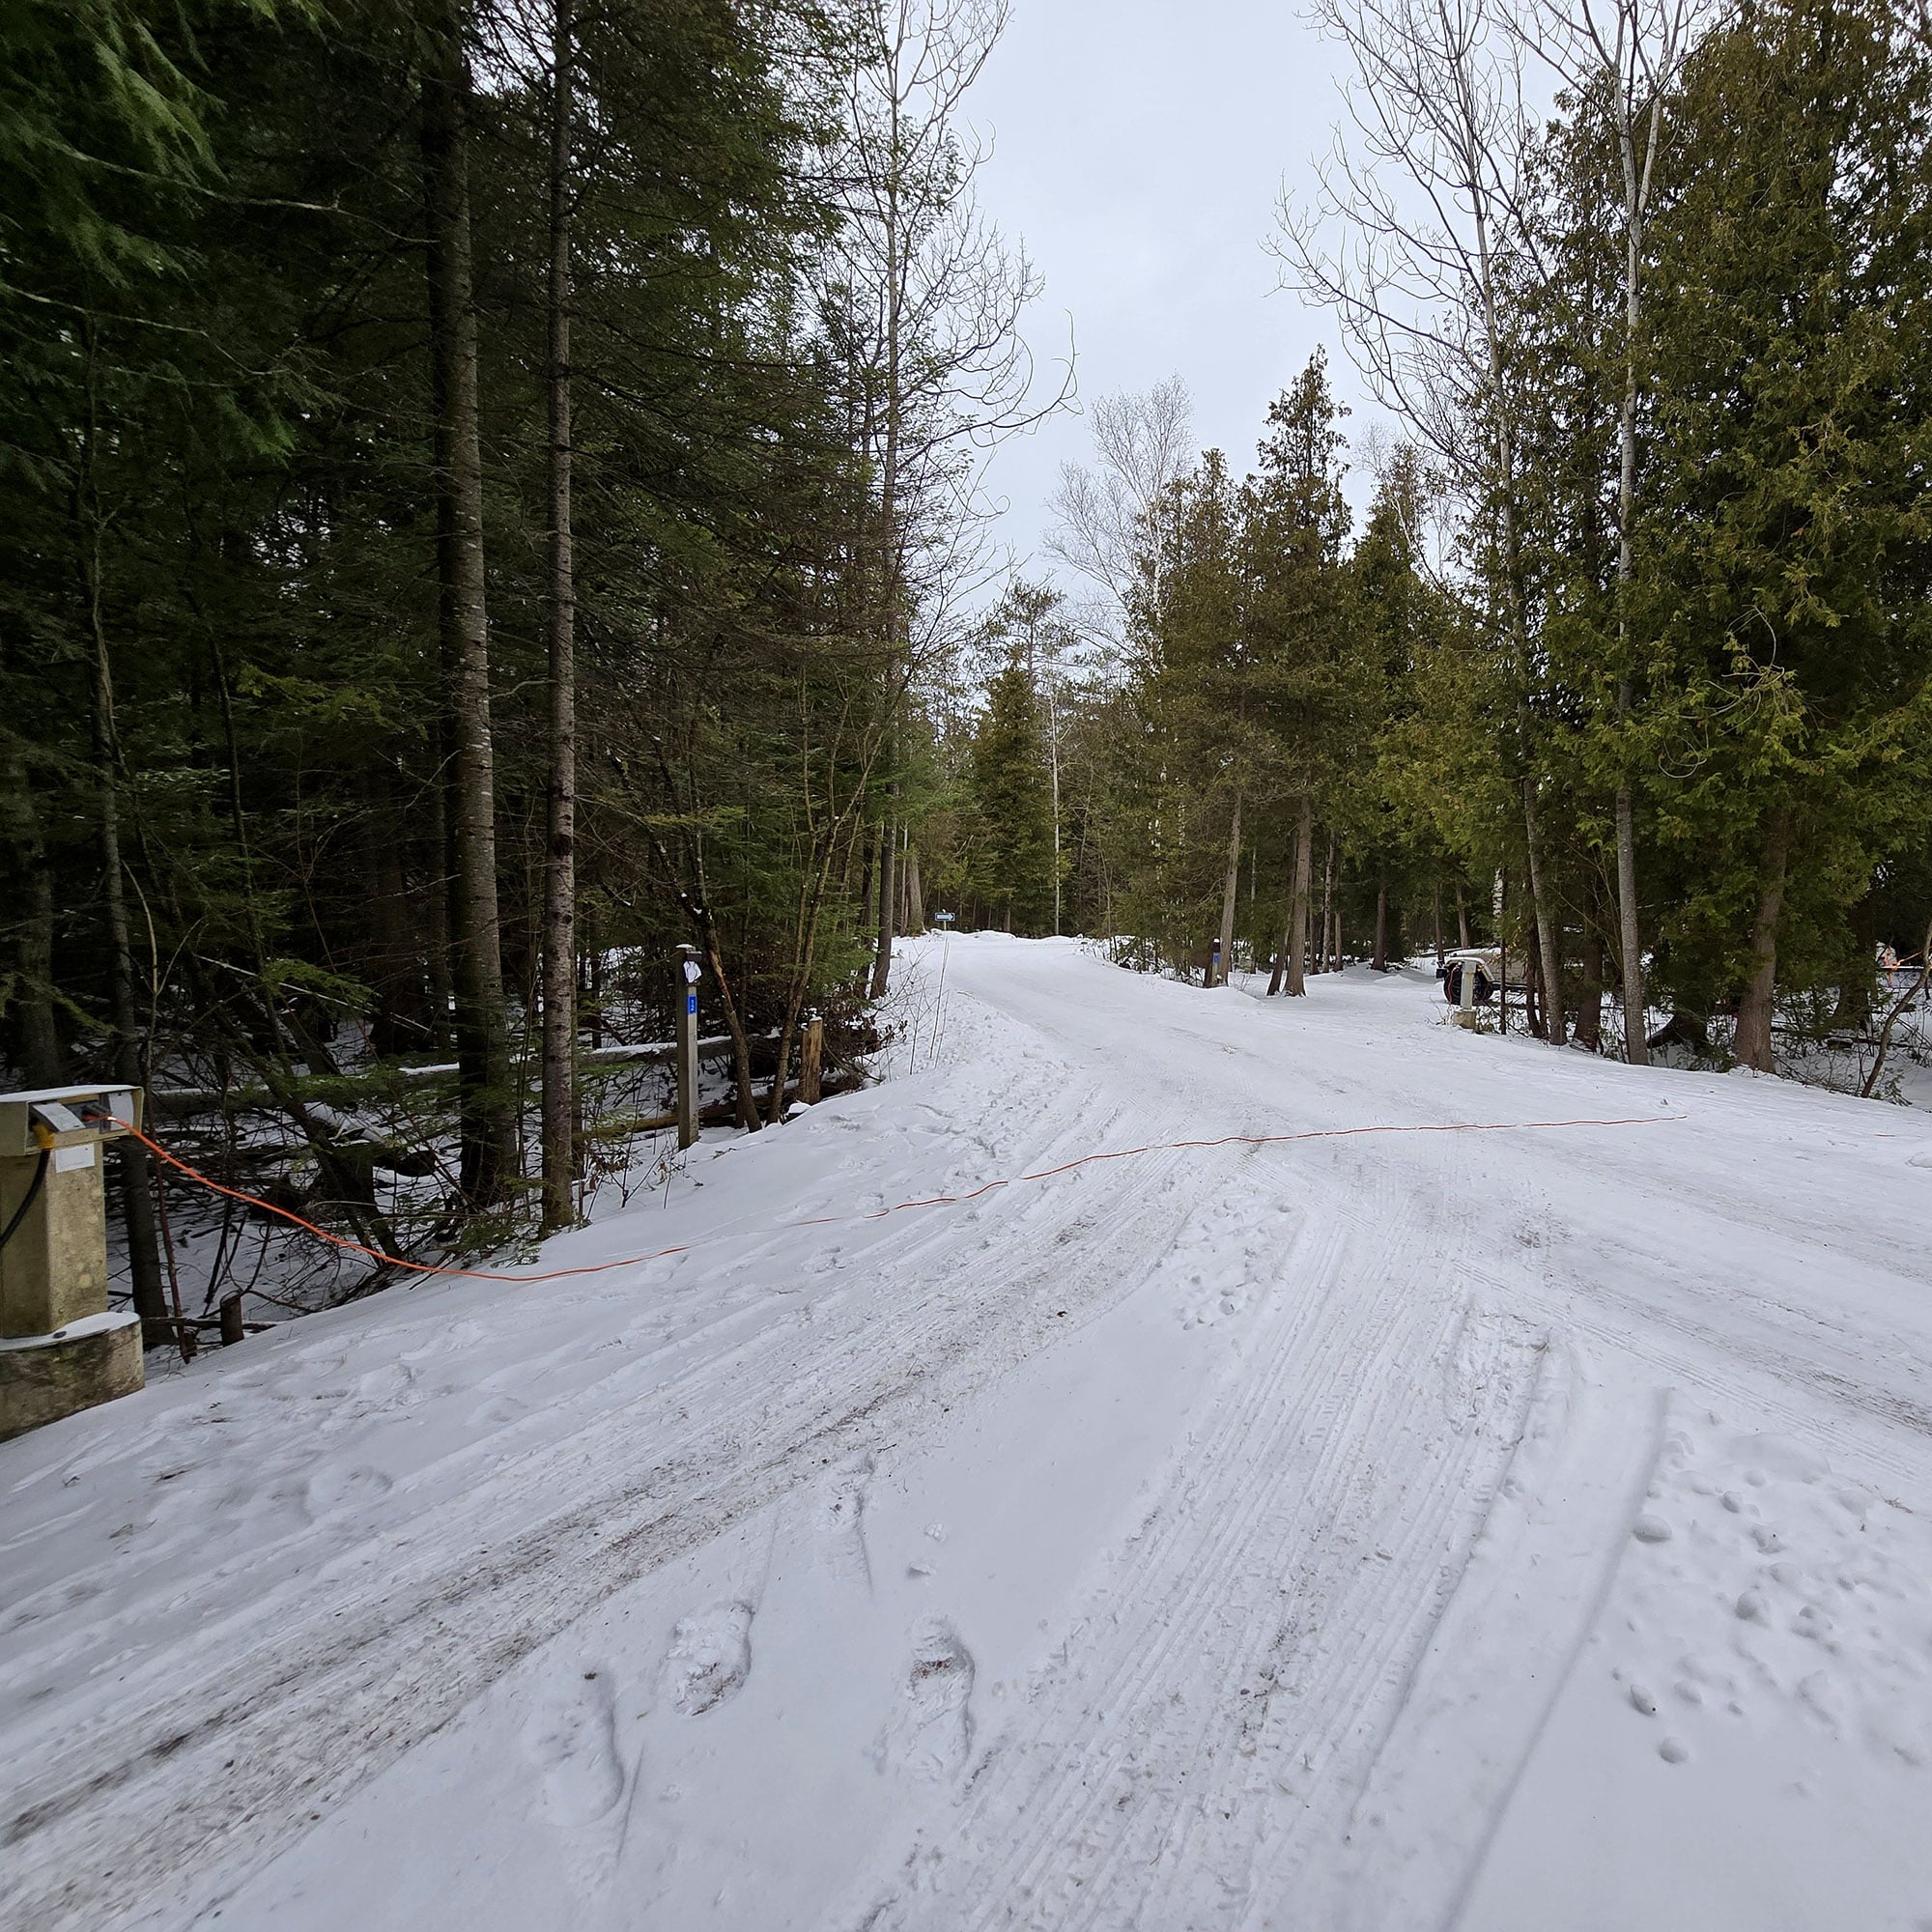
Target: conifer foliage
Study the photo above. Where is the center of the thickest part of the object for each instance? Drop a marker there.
(487, 497)
(480, 487)
(1626, 669)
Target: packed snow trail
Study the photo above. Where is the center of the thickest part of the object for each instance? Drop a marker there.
(1484, 1529)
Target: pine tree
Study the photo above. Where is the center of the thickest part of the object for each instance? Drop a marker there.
(1010, 789)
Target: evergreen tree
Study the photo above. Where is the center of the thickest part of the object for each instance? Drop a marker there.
(1011, 871)
(1787, 570)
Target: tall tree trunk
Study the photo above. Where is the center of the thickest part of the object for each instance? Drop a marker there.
(1550, 972)
(34, 951)
(882, 957)
(1297, 908)
(1331, 944)
(891, 578)
(489, 1112)
(1590, 990)
(867, 875)
(1637, 202)
(560, 915)
(1230, 885)
(1631, 947)
(124, 1057)
(1462, 920)
(1278, 970)
(1380, 962)
(439, 884)
(1751, 1042)
(915, 893)
(124, 1051)
(1436, 921)
(1053, 765)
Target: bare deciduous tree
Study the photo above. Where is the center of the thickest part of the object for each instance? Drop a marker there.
(1103, 516)
(929, 297)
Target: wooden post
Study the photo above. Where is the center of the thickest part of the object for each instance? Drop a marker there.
(688, 970)
(814, 1049)
(231, 1319)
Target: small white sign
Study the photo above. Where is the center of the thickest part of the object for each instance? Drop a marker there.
(71, 1159)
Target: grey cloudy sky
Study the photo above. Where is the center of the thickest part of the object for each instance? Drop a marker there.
(1139, 150)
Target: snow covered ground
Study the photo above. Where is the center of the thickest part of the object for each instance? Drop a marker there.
(1502, 1530)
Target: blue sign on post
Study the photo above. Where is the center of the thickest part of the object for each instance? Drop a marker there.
(690, 1003)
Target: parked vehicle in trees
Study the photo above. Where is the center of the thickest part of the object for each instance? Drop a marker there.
(1487, 963)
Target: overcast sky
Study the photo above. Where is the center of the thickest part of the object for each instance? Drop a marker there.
(1139, 150)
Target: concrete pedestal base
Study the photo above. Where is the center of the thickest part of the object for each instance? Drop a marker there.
(43, 1378)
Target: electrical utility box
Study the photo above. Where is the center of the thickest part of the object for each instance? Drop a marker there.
(60, 1347)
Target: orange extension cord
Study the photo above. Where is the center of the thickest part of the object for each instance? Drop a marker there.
(878, 1214)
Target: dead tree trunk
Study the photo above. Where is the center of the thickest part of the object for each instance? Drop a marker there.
(1381, 959)
(482, 1034)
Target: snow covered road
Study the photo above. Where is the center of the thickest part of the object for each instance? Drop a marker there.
(1494, 1530)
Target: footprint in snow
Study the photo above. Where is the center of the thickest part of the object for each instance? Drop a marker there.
(931, 1732)
(499, 1412)
(709, 1658)
(335, 1487)
(573, 1744)
(840, 1520)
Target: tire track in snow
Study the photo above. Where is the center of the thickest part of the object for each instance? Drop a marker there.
(220, 1754)
(1296, 1565)
(541, 1471)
